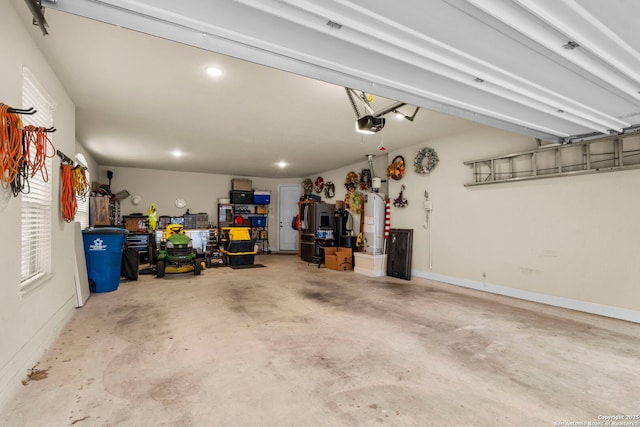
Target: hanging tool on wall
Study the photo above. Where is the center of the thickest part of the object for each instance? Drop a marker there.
(80, 183)
(10, 144)
(73, 184)
(23, 150)
(68, 201)
(38, 147)
(428, 206)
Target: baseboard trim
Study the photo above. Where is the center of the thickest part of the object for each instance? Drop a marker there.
(572, 304)
(16, 369)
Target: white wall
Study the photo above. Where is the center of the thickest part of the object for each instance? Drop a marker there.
(28, 324)
(569, 241)
(337, 176)
(201, 191)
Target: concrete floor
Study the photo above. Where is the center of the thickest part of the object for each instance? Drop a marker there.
(294, 345)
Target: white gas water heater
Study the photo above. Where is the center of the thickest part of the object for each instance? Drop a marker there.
(373, 227)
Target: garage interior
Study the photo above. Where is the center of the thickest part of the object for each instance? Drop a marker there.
(522, 301)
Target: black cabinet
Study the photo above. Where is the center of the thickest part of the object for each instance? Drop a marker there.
(139, 242)
(399, 253)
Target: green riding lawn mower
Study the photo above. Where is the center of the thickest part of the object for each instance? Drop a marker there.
(176, 254)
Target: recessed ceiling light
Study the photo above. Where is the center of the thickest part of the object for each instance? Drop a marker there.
(177, 153)
(214, 71)
(282, 164)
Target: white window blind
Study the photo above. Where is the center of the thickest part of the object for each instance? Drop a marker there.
(36, 204)
(82, 214)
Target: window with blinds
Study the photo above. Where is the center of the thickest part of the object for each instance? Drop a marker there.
(36, 204)
(82, 214)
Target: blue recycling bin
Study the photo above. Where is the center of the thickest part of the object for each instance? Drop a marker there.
(103, 253)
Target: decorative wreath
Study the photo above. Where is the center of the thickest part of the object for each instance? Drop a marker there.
(329, 190)
(318, 186)
(395, 170)
(307, 186)
(352, 181)
(432, 160)
(365, 179)
(353, 201)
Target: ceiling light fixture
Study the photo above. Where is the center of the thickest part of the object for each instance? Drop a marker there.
(177, 153)
(214, 71)
(282, 164)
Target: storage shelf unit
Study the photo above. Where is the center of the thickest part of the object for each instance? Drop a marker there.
(254, 216)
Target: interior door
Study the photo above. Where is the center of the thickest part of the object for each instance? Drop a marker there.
(288, 196)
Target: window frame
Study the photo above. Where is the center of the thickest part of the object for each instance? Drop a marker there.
(82, 214)
(37, 204)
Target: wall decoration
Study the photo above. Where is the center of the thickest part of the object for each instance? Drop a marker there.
(180, 203)
(365, 179)
(353, 201)
(352, 181)
(329, 190)
(400, 201)
(395, 170)
(426, 160)
(318, 185)
(307, 186)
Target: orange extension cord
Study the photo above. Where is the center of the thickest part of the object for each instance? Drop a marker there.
(37, 145)
(10, 145)
(68, 202)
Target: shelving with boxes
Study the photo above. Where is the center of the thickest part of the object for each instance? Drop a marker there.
(247, 208)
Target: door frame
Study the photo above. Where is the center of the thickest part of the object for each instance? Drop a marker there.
(286, 221)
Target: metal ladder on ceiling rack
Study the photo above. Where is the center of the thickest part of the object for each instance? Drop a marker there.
(606, 154)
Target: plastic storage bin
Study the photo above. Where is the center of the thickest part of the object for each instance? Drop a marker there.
(241, 258)
(241, 196)
(261, 197)
(258, 221)
(103, 252)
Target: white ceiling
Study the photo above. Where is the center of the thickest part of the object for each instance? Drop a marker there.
(496, 62)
